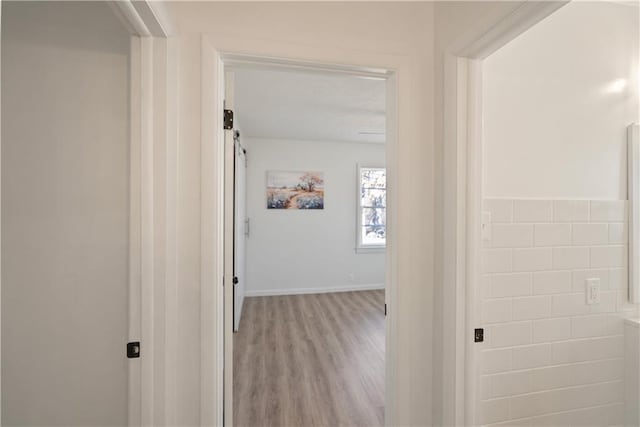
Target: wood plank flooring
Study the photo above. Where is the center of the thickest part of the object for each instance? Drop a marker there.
(310, 360)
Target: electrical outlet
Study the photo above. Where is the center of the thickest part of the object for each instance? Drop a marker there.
(593, 291)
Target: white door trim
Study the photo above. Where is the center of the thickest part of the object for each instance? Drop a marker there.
(211, 244)
(216, 331)
(141, 223)
(149, 26)
(462, 211)
(143, 18)
(228, 221)
(473, 203)
(0, 218)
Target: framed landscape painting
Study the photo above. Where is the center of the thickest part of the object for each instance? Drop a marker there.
(295, 190)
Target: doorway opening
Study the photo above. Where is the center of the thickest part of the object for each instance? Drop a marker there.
(547, 239)
(305, 237)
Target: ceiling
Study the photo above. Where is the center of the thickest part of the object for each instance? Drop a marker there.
(306, 105)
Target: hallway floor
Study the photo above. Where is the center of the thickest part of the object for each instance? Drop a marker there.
(305, 360)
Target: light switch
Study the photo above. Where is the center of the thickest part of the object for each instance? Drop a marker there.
(593, 291)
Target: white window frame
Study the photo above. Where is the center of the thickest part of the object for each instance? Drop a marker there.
(360, 247)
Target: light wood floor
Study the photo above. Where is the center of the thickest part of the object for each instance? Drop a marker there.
(310, 360)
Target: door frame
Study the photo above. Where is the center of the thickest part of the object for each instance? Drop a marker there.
(216, 317)
(240, 228)
(462, 178)
(149, 90)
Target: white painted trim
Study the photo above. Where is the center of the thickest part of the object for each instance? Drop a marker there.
(360, 247)
(143, 18)
(146, 230)
(463, 139)
(0, 219)
(269, 63)
(169, 117)
(454, 231)
(155, 17)
(633, 185)
(473, 247)
(229, 231)
(146, 21)
(480, 44)
(141, 232)
(392, 271)
(370, 250)
(135, 216)
(129, 17)
(315, 290)
(240, 227)
(212, 231)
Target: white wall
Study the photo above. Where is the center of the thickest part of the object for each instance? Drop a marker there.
(293, 251)
(397, 36)
(553, 126)
(65, 187)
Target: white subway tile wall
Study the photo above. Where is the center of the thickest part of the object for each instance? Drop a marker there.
(549, 359)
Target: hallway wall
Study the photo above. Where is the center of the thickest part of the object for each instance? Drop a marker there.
(397, 36)
(65, 210)
(292, 251)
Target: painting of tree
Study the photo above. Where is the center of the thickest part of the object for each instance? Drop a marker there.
(311, 180)
(295, 190)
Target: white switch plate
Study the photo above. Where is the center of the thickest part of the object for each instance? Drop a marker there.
(486, 226)
(593, 291)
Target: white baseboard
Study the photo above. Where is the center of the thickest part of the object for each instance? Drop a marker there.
(320, 290)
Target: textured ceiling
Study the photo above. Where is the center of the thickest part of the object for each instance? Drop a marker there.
(305, 105)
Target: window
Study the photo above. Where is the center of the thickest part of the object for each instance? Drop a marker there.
(372, 208)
